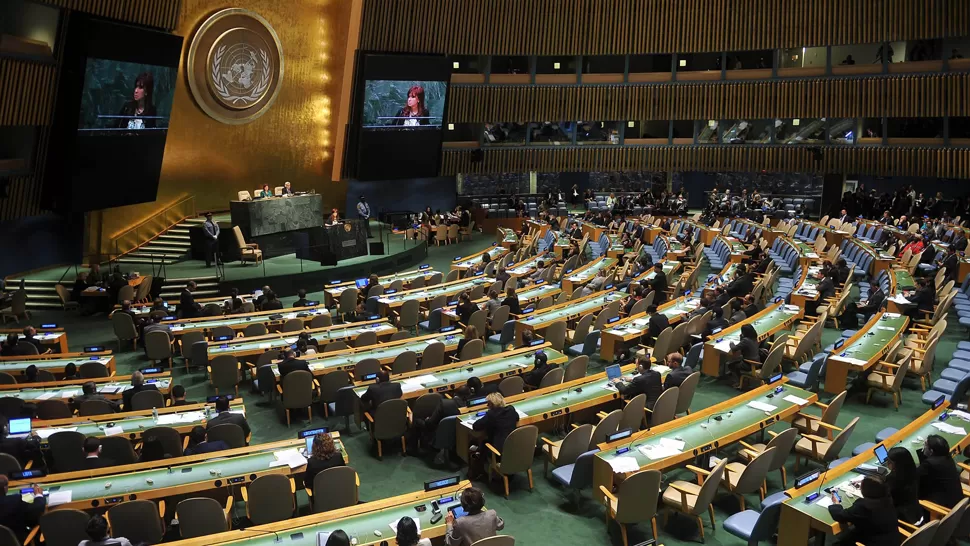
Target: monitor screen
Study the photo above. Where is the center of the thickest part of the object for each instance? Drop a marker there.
(124, 98)
(361, 283)
(839, 343)
(441, 483)
(882, 454)
(404, 104)
(20, 426)
(939, 401)
(613, 372)
(806, 479)
(477, 401)
(625, 433)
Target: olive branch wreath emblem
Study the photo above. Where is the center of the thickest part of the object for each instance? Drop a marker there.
(224, 92)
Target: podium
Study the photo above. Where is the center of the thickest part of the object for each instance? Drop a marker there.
(330, 244)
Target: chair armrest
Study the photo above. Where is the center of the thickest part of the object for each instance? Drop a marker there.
(161, 509)
(228, 507)
(606, 492)
(549, 442)
(888, 364)
(907, 525)
(29, 465)
(683, 496)
(601, 415)
(185, 443)
(934, 508)
(773, 433)
(746, 445)
(884, 374)
(368, 416)
(815, 439)
(753, 362)
(823, 424)
(32, 534)
(697, 470)
(964, 466)
(807, 416)
(245, 493)
(279, 389)
(494, 451)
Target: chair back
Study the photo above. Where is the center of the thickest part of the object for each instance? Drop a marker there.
(582, 328)
(136, 520)
(53, 409)
(687, 389)
(147, 399)
(62, 293)
(633, 413)
(949, 524)
(497, 540)
(556, 334)
(223, 331)
(432, 356)
(391, 419)
(405, 362)
(662, 344)
(511, 385)
(169, 437)
(335, 488)
(446, 435)
(900, 375)
(767, 523)
(693, 355)
(293, 325)
(666, 407)
(366, 367)
(124, 326)
(92, 370)
(607, 425)
(7, 379)
(270, 499)
(637, 496)
(321, 321)
(839, 442)
(709, 488)
(9, 463)
(478, 320)
(576, 368)
(552, 377)
(67, 450)
(426, 404)
(403, 334)
(44, 376)
(639, 307)
(519, 450)
(335, 346)
(224, 372)
(574, 444)
(200, 516)
(297, 389)
(831, 413)
(118, 449)
(11, 407)
(783, 444)
(158, 346)
(499, 317)
(230, 433)
(435, 279)
(409, 314)
(366, 338)
(65, 527)
(348, 301)
(755, 471)
(331, 383)
(472, 350)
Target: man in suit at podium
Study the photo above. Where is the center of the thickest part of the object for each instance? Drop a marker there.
(363, 212)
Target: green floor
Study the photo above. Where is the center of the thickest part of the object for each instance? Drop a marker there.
(533, 518)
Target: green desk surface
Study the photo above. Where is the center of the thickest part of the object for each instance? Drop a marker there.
(682, 307)
(616, 243)
(326, 363)
(384, 280)
(560, 398)
(537, 292)
(339, 333)
(912, 442)
(287, 314)
(508, 235)
(725, 276)
(527, 267)
(44, 336)
(562, 240)
(18, 366)
(571, 310)
(591, 271)
(734, 245)
(809, 287)
(494, 252)
(460, 375)
(762, 325)
(805, 250)
(70, 391)
(876, 336)
(172, 307)
(136, 482)
(430, 293)
(673, 245)
(904, 280)
(699, 432)
(668, 268)
(137, 425)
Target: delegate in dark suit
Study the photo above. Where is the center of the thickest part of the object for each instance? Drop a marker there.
(939, 480)
(659, 284)
(291, 365)
(187, 305)
(206, 447)
(952, 265)
(128, 394)
(676, 377)
(17, 515)
(876, 298)
(229, 418)
(741, 286)
(658, 323)
(648, 383)
(93, 463)
(380, 392)
(873, 520)
(497, 424)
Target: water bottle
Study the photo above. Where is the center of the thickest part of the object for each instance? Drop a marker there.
(155, 415)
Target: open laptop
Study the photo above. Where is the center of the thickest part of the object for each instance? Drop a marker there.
(361, 283)
(20, 428)
(613, 374)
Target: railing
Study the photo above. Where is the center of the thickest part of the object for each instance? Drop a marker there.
(151, 227)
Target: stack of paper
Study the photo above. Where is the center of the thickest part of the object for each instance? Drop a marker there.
(950, 429)
(409, 386)
(47, 395)
(900, 299)
(761, 406)
(113, 431)
(110, 389)
(634, 331)
(961, 414)
(723, 346)
(796, 400)
(290, 457)
(169, 419)
(59, 497)
(659, 451)
(70, 393)
(624, 464)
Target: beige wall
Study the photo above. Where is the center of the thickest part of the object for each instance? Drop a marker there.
(293, 141)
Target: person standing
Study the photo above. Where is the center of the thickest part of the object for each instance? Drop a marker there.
(363, 212)
(211, 230)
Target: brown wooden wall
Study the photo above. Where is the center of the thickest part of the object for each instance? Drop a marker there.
(932, 162)
(153, 13)
(890, 96)
(26, 92)
(616, 27)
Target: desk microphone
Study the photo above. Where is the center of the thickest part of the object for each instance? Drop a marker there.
(719, 416)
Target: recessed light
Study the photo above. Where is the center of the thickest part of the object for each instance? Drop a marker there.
(683, 62)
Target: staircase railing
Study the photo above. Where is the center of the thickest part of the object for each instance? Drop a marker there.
(148, 229)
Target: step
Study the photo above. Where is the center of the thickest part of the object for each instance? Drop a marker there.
(174, 238)
(178, 231)
(136, 260)
(177, 287)
(42, 297)
(149, 254)
(44, 304)
(183, 280)
(36, 282)
(156, 247)
(197, 293)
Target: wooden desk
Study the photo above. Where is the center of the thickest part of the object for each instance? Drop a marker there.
(331, 293)
(51, 339)
(389, 303)
(238, 322)
(631, 329)
(772, 319)
(863, 350)
(568, 311)
(527, 297)
(464, 263)
(242, 347)
(507, 238)
(54, 363)
(111, 388)
(571, 280)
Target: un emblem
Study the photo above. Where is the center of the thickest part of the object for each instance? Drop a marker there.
(235, 66)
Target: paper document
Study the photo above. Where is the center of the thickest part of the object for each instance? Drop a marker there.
(169, 419)
(658, 451)
(825, 501)
(430, 341)
(886, 328)
(70, 394)
(892, 315)
(46, 433)
(265, 345)
(634, 331)
(950, 429)
(521, 414)
(811, 255)
(393, 525)
(624, 464)
(900, 299)
(59, 497)
(47, 395)
(796, 400)
(851, 360)
(422, 379)
(522, 364)
(411, 387)
(290, 457)
(673, 444)
(113, 431)
(723, 346)
(761, 406)
(961, 414)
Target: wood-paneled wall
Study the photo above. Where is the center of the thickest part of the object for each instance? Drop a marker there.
(891, 96)
(26, 92)
(932, 162)
(154, 13)
(617, 27)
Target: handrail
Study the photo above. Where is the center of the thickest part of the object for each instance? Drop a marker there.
(153, 216)
(153, 223)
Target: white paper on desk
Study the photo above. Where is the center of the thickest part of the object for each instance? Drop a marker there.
(624, 464)
(825, 501)
(796, 400)
(761, 406)
(950, 429)
(811, 255)
(59, 497)
(70, 394)
(169, 419)
(892, 315)
(723, 346)
(900, 299)
(290, 457)
(47, 395)
(113, 431)
(658, 451)
(673, 444)
(427, 378)
(521, 415)
(393, 525)
(46, 433)
(265, 345)
(407, 387)
(522, 364)
(109, 389)
(886, 328)
(851, 360)
(430, 341)
(193, 416)
(960, 414)
(609, 387)
(634, 331)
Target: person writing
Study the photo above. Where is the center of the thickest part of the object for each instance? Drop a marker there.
(872, 517)
(476, 524)
(323, 456)
(465, 307)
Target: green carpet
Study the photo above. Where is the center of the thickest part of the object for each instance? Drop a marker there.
(533, 518)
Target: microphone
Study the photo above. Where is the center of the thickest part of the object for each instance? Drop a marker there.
(718, 416)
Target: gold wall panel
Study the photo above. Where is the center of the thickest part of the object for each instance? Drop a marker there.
(932, 162)
(293, 141)
(890, 96)
(616, 27)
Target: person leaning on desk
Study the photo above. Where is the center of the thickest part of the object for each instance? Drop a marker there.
(873, 516)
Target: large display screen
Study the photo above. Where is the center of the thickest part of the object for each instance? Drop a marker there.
(122, 98)
(399, 111)
(397, 104)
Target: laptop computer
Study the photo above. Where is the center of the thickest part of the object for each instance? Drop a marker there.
(613, 373)
(361, 283)
(20, 428)
(882, 454)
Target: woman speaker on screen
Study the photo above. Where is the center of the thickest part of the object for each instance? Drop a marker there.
(414, 112)
(141, 105)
